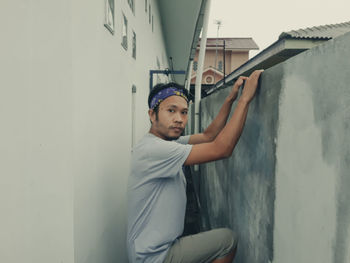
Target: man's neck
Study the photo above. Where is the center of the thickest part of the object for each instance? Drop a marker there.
(155, 133)
(152, 131)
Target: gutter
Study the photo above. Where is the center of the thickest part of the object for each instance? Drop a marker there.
(276, 53)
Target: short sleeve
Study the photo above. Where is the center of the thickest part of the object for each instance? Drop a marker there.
(166, 158)
(183, 139)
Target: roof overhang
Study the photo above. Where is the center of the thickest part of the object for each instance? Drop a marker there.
(278, 52)
(230, 49)
(182, 22)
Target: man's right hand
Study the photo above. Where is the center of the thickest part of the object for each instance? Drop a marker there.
(250, 86)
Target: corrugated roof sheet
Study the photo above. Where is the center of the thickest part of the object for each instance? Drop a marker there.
(232, 43)
(318, 32)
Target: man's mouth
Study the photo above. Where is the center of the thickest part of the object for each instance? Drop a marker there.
(178, 129)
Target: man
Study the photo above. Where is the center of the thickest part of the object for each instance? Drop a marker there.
(157, 186)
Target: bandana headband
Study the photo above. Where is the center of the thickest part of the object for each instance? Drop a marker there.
(165, 93)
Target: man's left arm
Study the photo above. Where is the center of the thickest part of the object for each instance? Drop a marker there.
(220, 120)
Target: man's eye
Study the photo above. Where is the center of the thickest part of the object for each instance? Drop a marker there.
(171, 110)
(184, 112)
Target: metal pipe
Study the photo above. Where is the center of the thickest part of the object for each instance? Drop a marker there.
(224, 62)
(166, 72)
(218, 23)
(188, 80)
(198, 86)
(201, 55)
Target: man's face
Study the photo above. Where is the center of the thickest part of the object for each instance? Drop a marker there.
(172, 118)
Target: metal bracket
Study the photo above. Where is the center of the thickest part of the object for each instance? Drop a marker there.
(166, 72)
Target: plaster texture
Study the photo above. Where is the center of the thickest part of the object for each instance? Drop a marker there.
(238, 192)
(285, 189)
(313, 151)
(65, 136)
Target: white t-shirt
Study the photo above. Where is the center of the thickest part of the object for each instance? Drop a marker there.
(156, 197)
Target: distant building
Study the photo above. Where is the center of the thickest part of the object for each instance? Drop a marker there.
(288, 45)
(236, 52)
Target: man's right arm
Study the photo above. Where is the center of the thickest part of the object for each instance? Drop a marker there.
(227, 139)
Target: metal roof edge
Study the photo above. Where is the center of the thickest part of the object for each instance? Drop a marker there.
(275, 47)
(231, 49)
(178, 34)
(274, 50)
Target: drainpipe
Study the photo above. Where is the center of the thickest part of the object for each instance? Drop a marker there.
(201, 55)
(188, 81)
(188, 86)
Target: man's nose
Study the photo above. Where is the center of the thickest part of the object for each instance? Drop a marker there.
(178, 117)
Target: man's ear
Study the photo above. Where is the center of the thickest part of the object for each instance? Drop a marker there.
(152, 115)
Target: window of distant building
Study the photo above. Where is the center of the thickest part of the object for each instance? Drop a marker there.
(125, 32)
(133, 44)
(209, 80)
(220, 66)
(132, 5)
(146, 6)
(195, 65)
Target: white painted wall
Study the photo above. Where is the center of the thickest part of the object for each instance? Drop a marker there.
(104, 73)
(65, 111)
(36, 189)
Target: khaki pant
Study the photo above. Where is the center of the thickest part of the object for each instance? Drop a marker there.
(203, 247)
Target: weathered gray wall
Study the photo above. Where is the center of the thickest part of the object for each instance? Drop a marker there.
(313, 151)
(285, 190)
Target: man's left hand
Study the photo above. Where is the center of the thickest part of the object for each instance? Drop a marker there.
(234, 92)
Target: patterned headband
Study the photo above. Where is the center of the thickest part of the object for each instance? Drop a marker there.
(165, 93)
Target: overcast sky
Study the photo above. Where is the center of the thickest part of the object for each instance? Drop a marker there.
(264, 20)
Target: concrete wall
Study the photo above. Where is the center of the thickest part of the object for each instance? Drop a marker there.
(65, 111)
(285, 190)
(313, 151)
